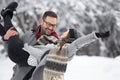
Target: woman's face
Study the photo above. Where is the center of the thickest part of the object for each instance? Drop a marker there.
(64, 35)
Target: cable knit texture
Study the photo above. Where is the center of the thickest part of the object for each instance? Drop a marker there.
(56, 64)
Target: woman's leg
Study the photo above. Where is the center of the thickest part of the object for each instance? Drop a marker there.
(7, 14)
(2, 30)
(15, 45)
(15, 51)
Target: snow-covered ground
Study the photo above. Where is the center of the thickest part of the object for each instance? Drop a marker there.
(93, 68)
(6, 69)
(80, 68)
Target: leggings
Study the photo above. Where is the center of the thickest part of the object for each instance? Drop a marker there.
(15, 51)
(15, 45)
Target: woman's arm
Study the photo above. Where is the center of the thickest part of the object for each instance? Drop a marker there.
(80, 42)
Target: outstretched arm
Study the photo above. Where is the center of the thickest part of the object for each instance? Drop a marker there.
(80, 42)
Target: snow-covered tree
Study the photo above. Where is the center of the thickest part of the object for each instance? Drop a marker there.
(77, 14)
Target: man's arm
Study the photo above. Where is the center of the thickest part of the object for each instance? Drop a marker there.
(36, 53)
(38, 50)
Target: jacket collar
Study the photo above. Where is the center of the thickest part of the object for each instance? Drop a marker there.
(37, 33)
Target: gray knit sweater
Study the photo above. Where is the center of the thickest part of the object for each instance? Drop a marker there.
(39, 50)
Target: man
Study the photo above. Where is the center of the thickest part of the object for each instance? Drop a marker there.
(47, 26)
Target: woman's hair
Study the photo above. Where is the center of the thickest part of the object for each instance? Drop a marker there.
(71, 36)
(62, 42)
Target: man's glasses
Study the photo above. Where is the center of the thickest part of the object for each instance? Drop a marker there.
(49, 24)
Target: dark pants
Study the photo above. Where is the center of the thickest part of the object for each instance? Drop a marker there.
(15, 51)
(15, 45)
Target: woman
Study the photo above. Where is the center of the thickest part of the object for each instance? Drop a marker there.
(56, 57)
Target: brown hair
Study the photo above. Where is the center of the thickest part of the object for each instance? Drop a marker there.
(62, 42)
(49, 13)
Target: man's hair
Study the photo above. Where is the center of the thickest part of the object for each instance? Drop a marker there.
(49, 13)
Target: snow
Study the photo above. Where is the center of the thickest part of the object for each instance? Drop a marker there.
(93, 68)
(79, 68)
(6, 69)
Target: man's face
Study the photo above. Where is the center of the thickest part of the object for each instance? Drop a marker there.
(48, 25)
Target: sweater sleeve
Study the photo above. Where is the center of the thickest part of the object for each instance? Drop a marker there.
(80, 42)
(32, 61)
(36, 53)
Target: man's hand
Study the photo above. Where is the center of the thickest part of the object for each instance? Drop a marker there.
(103, 35)
(11, 32)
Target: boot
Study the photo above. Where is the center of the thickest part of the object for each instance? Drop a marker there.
(9, 9)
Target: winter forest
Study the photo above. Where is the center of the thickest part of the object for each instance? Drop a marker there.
(85, 16)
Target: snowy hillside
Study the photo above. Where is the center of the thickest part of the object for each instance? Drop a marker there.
(6, 70)
(80, 68)
(93, 68)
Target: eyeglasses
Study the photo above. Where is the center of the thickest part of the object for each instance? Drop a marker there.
(49, 24)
